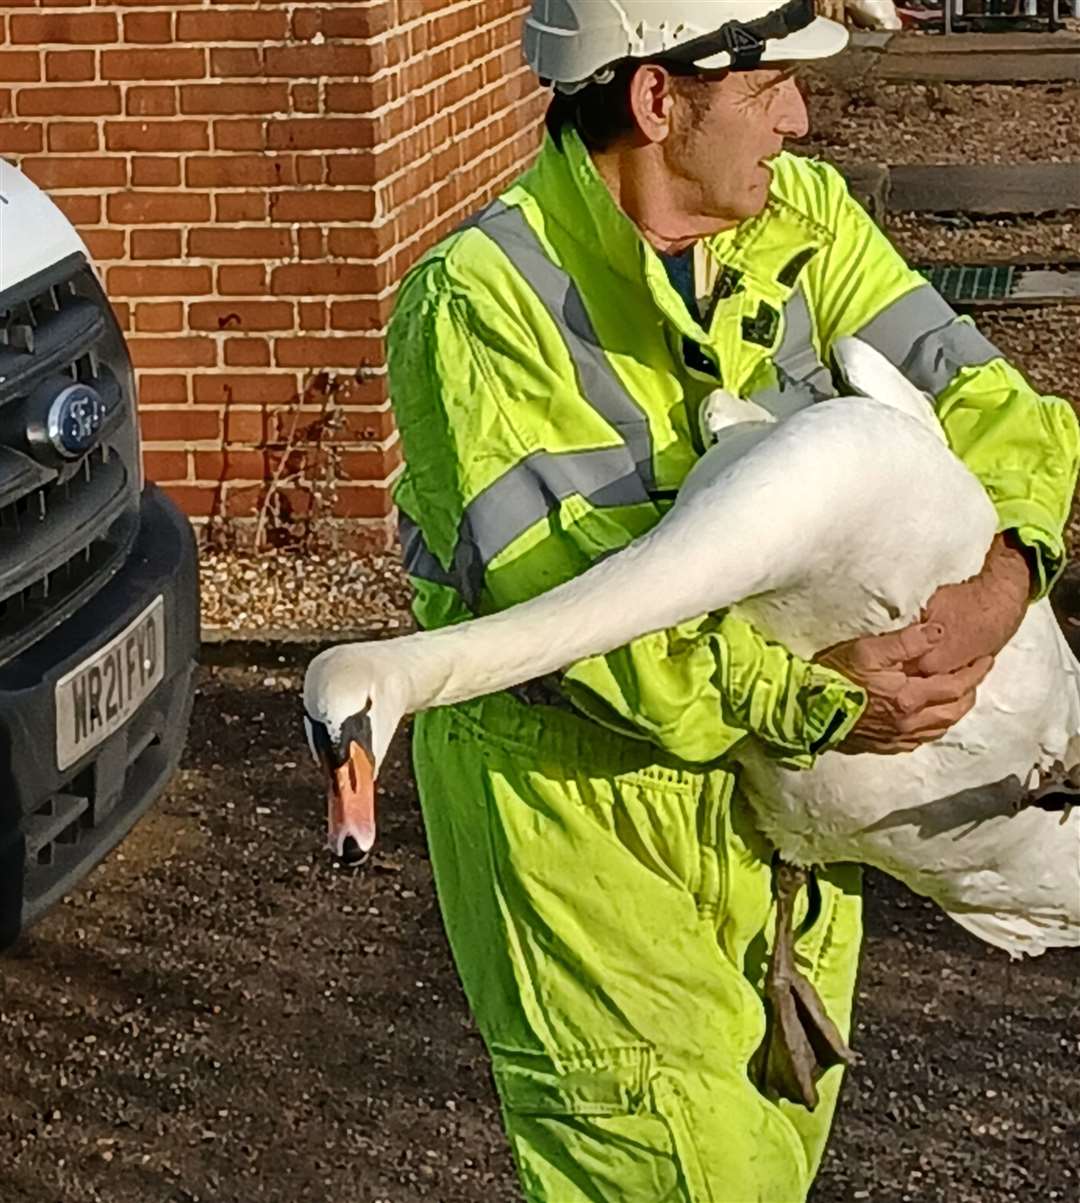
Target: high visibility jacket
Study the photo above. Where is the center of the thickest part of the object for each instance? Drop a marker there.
(546, 378)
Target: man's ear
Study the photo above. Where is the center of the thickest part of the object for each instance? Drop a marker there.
(652, 101)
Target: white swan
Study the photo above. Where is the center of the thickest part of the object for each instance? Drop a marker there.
(873, 14)
(867, 14)
(839, 521)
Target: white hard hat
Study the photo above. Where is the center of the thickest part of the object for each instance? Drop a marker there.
(569, 42)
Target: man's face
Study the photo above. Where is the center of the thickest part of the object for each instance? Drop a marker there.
(725, 130)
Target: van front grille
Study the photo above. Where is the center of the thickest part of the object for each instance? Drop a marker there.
(64, 526)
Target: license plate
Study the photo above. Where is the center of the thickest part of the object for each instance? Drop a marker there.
(98, 697)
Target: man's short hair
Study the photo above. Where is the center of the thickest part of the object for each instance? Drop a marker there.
(601, 112)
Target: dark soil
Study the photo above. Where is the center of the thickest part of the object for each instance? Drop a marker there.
(221, 1016)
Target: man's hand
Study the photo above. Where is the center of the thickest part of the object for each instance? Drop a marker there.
(981, 615)
(922, 680)
(904, 708)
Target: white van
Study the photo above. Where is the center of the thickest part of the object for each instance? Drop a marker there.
(99, 605)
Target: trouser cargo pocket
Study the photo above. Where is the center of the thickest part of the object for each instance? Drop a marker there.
(606, 1125)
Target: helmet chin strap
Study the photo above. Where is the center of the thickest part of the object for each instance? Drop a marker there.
(744, 41)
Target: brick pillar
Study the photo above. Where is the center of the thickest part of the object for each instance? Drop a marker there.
(253, 180)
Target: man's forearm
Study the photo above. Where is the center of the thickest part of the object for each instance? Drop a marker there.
(1014, 549)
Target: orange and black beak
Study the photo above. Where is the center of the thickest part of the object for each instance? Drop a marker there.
(349, 765)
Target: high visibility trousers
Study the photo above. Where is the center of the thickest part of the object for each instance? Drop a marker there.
(610, 918)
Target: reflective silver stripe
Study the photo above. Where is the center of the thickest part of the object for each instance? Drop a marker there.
(529, 491)
(922, 335)
(509, 230)
(521, 497)
(802, 379)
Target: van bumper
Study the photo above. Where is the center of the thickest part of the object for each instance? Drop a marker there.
(56, 825)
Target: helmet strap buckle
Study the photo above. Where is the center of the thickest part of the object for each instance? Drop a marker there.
(744, 42)
(744, 46)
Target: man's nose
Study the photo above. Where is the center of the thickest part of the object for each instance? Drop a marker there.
(792, 119)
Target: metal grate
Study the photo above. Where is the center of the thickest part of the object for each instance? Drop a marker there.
(992, 15)
(967, 285)
(30, 613)
(97, 472)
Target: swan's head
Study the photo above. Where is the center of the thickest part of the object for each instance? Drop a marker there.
(351, 712)
(721, 410)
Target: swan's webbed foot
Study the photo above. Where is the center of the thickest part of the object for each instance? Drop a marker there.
(802, 1041)
(1058, 788)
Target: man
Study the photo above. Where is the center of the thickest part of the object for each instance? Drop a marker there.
(609, 903)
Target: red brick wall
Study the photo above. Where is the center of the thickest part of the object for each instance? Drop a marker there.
(253, 178)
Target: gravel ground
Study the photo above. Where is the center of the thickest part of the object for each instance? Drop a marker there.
(284, 594)
(867, 121)
(958, 238)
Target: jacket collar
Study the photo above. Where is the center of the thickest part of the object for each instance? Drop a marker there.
(573, 197)
(770, 249)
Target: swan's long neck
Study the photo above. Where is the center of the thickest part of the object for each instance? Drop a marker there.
(597, 612)
(704, 556)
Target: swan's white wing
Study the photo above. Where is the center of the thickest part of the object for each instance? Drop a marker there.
(868, 372)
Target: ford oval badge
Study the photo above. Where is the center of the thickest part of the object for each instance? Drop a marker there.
(74, 420)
